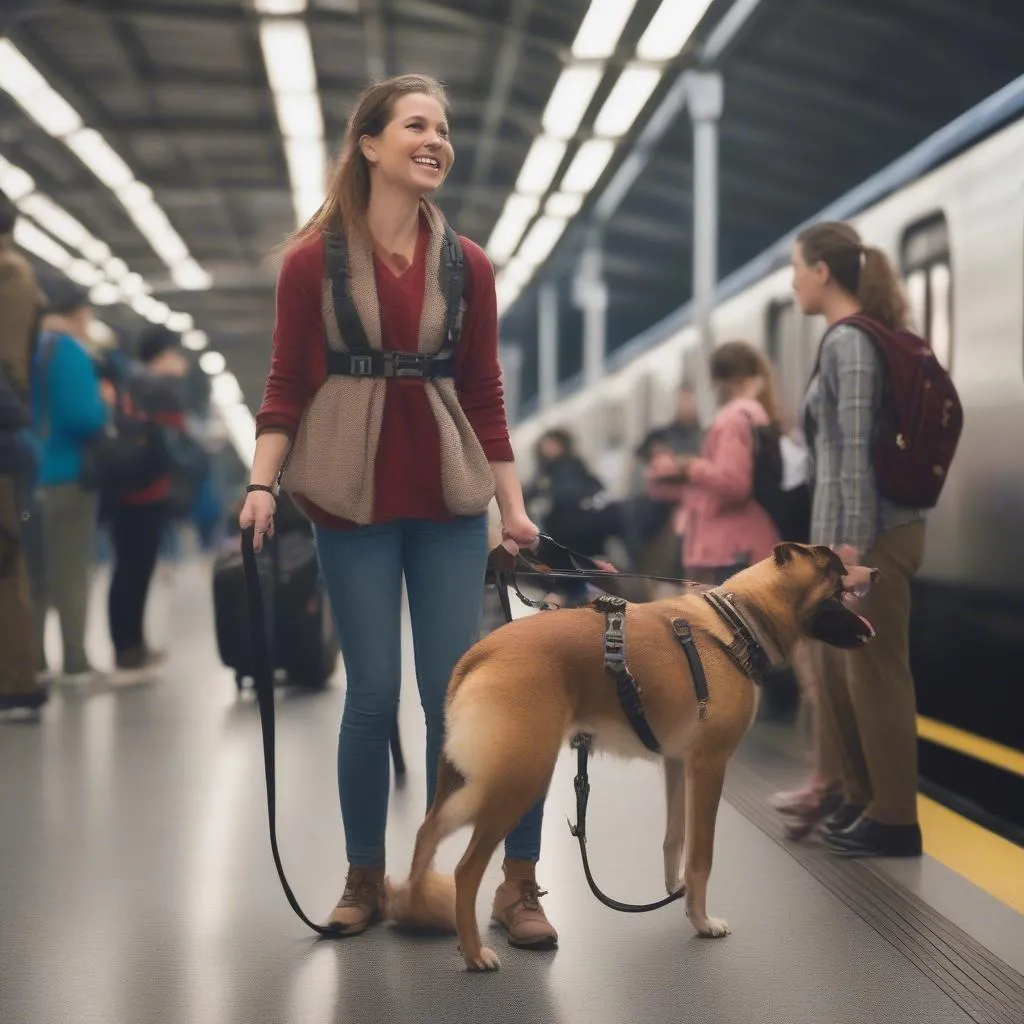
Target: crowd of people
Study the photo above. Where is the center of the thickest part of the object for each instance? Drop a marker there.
(90, 437)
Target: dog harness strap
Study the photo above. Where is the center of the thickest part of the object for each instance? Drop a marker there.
(614, 609)
(684, 635)
(581, 744)
(744, 649)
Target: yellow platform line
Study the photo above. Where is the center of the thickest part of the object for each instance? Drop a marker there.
(963, 742)
(989, 861)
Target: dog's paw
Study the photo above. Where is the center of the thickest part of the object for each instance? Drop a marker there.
(713, 928)
(485, 960)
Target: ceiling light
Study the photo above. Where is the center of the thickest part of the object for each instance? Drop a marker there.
(224, 389)
(298, 115)
(115, 268)
(45, 212)
(15, 182)
(563, 204)
(104, 294)
(588, 165)
(40, 244)
(569, 100)
(158, 312)
(538, 244)
(212, 363)
(94, 151)
(518, 271)
(17, 75)
(95, 250)
(288, 56)
(601, 28)
(142, 304)
(241, 429)
(22, 81)
(307, 164)
(180, 322)
(506, 293)
(670, 28)
(306, 203)
(195, 341)
(133, 284)
(280, 6)
(134, 195)
(84, 273)
(190, 276)
(540, 165)
(517, 213)
(626, 100)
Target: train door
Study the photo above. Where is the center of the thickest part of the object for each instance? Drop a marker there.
(925, 268)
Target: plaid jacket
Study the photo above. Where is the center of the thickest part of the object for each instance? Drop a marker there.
(840, 410)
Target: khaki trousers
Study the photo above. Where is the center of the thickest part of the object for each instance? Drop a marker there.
(868, 716)
(17, 636)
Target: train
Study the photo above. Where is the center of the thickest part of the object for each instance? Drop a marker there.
(951, 216)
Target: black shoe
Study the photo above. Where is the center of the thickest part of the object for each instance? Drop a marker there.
(868, 838)
(842, 819)
(24, 701)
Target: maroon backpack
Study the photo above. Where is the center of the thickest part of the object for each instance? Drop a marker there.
(921, 417)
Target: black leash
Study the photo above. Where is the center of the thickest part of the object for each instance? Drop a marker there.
(263, 678)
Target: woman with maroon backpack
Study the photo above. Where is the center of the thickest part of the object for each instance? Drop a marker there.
(383, 415)
(871, 490)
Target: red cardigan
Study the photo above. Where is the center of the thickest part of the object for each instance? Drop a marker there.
(408, 467)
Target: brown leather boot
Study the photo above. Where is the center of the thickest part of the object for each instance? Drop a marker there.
(517, 908)
(360, 903)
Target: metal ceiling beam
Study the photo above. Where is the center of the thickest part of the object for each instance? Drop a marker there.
(379, 61)
(501, 87)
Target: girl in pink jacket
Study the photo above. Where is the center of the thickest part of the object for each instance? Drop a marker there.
(725, 528)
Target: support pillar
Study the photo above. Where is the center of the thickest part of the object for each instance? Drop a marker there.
(591, 296)
(705, 100)
(547, 345)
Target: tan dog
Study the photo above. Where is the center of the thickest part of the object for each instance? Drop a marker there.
(518, 694)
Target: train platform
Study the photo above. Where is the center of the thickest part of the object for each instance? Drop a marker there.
(137, 885)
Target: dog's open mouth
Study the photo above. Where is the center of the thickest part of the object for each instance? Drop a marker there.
(837, 624)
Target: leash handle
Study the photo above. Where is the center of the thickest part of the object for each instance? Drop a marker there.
(263, 676)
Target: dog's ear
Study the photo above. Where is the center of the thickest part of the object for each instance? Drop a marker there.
(784, 552)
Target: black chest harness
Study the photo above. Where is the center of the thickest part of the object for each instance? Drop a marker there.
(744, 650)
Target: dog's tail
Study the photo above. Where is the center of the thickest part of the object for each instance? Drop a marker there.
(426, 900)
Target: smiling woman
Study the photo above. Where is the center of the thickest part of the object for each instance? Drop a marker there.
(384, 407)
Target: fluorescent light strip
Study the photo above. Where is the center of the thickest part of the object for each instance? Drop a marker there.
(600, 29)
(24, 83)
(291, 73)
(670, 28)
(108, 278)
(666, 35)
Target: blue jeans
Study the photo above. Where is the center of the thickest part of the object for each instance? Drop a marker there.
(444, 566)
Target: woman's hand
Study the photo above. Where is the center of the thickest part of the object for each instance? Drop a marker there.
(667, 466)
(847, 554)
(518, 530)
(258, 512)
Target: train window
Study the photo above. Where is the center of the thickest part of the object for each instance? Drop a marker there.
(925, 265)
(781, 325)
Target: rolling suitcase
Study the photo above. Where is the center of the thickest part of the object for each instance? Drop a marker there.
(301, 637)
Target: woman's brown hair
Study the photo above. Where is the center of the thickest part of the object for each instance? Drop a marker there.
(738, 360)
(862, 270)
(349, 190)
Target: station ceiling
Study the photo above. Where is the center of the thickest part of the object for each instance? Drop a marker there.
(819, 94)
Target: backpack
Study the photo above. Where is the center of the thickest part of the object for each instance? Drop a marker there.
(920, 419)
(790, 509)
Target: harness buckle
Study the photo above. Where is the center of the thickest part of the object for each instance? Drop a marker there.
(361, 366)
(405, 364)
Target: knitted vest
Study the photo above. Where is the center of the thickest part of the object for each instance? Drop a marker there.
(332, 459)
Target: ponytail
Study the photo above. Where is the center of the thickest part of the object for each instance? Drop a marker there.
(863, 271)
(880, 293)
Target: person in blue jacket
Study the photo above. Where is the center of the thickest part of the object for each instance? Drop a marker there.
(68, 410)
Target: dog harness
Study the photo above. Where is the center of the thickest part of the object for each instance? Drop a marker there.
(749, 656)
